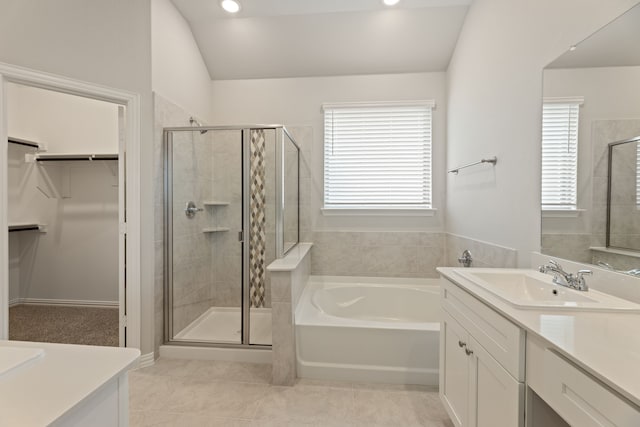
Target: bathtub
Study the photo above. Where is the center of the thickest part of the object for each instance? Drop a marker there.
(367, 329)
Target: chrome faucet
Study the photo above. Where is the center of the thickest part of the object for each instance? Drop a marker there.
(465, 259)
(562, 278)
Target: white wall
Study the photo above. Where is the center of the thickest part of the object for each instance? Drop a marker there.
(77, 258)
(106, 43)
(298, 102)
(64, 123)
(178, 70)
(610, 93)
(494, 108)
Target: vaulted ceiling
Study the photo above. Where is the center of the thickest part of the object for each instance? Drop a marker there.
(303, 38)
(615, 45)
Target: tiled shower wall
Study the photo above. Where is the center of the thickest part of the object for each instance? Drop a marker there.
(192, 249)
(603, 133)
(192, 252)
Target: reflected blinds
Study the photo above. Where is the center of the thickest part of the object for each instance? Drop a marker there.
(377, 155)
(560, 154)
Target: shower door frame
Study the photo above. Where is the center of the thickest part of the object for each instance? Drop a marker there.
(245, 141)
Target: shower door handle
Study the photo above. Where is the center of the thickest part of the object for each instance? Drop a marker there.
(240, 236)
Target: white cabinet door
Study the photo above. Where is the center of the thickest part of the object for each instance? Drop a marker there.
(497, 399)
(454, 370)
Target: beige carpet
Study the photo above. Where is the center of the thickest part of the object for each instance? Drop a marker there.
(66, 325)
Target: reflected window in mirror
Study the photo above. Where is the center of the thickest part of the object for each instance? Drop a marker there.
(560, 119)
(605, 70)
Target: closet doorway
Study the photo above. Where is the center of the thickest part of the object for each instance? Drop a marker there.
(66, 207)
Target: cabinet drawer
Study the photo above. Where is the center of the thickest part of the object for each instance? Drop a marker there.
(581, 400)
(501, 338)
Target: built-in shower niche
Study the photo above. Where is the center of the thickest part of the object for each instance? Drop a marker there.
(217, 288)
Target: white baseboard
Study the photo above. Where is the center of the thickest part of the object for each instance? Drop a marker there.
(146, 360)
(64, 302)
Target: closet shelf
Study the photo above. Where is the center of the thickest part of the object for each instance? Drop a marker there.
(215, 203)
(214, 230)
(74, 157)
(27, 227)
(24, 142)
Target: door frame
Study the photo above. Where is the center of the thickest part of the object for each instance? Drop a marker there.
(131, 229)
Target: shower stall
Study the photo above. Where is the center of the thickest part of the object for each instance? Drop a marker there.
(231, 208)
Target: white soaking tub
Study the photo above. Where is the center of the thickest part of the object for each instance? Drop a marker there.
(369, 329)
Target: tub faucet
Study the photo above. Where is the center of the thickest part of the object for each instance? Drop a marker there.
(562, 278)
(466, 259)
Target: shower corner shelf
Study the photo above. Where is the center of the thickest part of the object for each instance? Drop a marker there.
(214, 230)
(215, 203)
(28, 227)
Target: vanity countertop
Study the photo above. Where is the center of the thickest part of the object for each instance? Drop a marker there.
(605, 344)
(44, 389)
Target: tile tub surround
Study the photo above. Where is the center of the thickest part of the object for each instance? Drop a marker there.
(484, 254)
(288, 278)
(205, 393)
(377, 254)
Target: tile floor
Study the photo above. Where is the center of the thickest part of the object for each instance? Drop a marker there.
(188, 393)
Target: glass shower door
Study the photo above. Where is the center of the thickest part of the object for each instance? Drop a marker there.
(203, 231)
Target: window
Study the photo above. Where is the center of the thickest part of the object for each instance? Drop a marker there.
(560, 153)
(377, 156)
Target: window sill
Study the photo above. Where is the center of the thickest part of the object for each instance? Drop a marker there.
(562, 213)
(379, 211)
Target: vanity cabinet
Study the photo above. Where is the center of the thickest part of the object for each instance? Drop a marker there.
(481, 363)
(580, 399)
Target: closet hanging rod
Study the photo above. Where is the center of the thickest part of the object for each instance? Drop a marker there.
(492, 160)
(74, 157)
(25, 227)
(24, 142)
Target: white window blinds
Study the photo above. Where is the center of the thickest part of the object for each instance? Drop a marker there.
(377, 155)
(560, 153)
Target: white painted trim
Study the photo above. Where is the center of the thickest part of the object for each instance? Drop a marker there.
(4, 214)
(564, 100)
(335, 211)
(562, 213)
(64, 302)
(16, 74)
(246, 355)
(146, 360)
(430, 103)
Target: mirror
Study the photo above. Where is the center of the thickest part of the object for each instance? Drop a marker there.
(591, 100)
(623, 195)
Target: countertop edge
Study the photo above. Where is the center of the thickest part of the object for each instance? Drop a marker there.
(494, 303)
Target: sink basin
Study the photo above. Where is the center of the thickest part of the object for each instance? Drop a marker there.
(534, 290)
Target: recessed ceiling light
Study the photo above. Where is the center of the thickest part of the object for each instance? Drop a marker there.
(231, 6)
(572, 48)
(390, 2)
